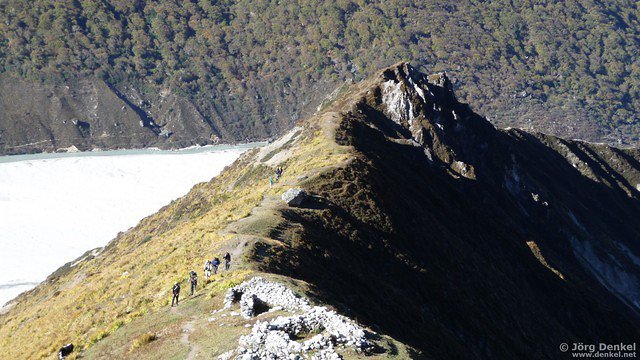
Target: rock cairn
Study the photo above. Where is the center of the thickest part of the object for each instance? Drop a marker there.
(276, 338)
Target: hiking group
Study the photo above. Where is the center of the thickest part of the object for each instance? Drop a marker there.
(278, 173)
(209, 265)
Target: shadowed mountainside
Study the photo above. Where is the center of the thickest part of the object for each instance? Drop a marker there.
(465, 240)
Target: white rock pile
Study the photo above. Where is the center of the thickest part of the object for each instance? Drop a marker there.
(269, 292)
(276, 338)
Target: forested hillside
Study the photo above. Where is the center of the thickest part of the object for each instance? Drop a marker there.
(251, 67)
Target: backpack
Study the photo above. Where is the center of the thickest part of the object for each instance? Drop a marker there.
(65, 351)
(216, 261)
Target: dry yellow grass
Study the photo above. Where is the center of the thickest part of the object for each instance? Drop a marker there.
(133, 275)
(143, 340)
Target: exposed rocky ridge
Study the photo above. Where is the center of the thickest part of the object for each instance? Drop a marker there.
(423, 222)
(429, 233)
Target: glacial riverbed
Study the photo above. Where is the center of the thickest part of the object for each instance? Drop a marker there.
(55, 207)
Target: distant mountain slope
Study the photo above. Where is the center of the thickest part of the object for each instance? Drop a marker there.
(444, 235)
(197, 71)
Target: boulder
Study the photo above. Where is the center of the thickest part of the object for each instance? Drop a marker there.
(294, 197)
(65, 351)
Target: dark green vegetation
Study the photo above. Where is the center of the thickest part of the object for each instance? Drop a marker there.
(248, 69)
(448, 237)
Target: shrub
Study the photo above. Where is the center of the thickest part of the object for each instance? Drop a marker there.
(146, 239)
(101, 335)
(143, 340)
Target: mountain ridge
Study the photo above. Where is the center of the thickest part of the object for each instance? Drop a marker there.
(423, 222)
(478, 166)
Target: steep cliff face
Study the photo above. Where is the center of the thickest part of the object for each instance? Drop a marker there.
(422, 222)
(90, 114)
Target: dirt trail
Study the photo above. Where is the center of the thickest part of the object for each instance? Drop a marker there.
(237, 251)
(187, 329)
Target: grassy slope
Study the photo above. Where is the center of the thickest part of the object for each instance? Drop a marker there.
(104, 304)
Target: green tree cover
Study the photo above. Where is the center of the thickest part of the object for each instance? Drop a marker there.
(574, 53)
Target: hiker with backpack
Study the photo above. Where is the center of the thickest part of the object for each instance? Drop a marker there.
(207, 269)
(193, 279)
(215, 263)
(227, 261)
(176, 294)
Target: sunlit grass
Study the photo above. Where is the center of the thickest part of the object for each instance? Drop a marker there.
(133, 276)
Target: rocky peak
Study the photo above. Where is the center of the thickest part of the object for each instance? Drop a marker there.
(424, 112)
(406, 93)
(530, 170)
